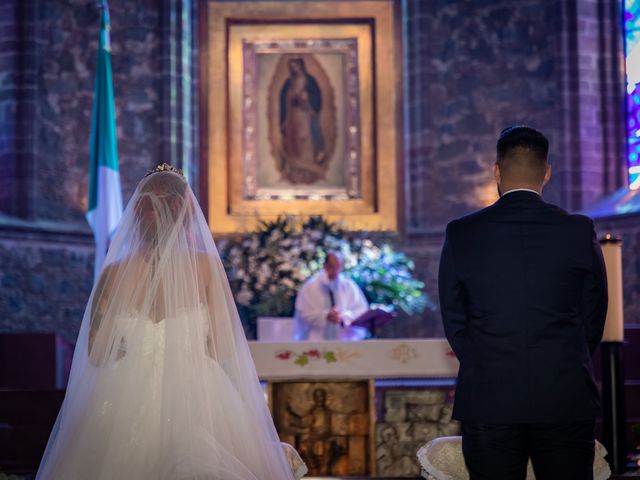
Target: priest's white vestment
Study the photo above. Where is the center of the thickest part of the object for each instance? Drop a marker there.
(316, 298)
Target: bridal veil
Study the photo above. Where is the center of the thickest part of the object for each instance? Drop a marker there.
(163, 385)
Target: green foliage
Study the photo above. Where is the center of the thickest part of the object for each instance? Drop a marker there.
(267, 267)
(330, 357)
(302, 360)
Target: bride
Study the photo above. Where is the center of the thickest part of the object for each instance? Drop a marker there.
(163, 385)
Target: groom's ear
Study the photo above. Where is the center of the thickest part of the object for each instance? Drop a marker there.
(496, 172)
(547, 175)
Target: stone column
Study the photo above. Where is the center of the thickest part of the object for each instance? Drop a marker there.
(591, 160)
(18, 91)
(179, 73)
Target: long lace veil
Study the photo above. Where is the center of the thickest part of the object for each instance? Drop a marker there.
(163, 384)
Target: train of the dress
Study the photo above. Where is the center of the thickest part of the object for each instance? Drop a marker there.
(162, 411)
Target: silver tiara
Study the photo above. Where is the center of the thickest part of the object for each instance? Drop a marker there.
(165, 167)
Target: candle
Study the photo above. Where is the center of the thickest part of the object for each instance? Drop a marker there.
(612, 252)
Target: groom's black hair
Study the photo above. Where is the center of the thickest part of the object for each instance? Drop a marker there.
(521, 136)
(530, 145)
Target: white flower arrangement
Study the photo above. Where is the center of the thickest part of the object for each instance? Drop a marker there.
(266, 268)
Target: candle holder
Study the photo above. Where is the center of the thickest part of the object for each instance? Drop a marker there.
(613, 404)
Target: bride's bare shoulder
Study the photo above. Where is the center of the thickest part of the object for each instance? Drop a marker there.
(124, 264)
(122, 268)
(107, 274)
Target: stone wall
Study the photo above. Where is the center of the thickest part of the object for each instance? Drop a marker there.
(407, 420)
(471, 68)
(47, 68)
(45, 281)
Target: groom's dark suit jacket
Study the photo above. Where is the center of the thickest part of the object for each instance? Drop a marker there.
(523, 297)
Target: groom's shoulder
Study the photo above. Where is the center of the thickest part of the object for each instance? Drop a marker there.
(472, 218)
(549, 214)
(580, 223)
(573, 219)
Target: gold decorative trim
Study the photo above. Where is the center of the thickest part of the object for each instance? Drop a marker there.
(403, 353)
(373, 24)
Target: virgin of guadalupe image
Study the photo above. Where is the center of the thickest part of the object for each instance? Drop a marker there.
(303, 156)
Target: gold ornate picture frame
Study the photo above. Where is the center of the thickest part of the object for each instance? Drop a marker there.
(302, 112)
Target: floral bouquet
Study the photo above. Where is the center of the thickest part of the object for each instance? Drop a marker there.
(267, 267)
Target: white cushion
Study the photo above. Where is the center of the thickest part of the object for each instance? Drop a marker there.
(441, 459)
(298, 467)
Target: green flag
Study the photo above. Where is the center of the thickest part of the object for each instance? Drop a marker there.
(105, 193)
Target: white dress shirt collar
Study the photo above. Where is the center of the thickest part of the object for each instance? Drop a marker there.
(521, 190)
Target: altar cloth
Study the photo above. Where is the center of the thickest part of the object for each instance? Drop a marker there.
(397, 358)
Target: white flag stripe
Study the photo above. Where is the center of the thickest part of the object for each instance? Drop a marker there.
(105, 217)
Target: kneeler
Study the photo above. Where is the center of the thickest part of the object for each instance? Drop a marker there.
(441, 459)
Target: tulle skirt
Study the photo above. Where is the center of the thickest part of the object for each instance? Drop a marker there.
(158, 414)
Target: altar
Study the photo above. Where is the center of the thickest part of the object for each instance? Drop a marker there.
(359, 408)
(371, 359)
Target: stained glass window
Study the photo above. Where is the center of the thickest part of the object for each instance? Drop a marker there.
(632, 51)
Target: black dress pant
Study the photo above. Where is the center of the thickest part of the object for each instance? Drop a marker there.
(501, 452)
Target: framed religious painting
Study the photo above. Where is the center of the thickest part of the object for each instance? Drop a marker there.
(302, 112)
(330, 423)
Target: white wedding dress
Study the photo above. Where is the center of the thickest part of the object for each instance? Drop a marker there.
(162, 384)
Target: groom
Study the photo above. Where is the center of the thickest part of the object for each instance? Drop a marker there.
(523, 296)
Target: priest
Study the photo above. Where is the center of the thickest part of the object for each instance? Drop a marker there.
(327, 304)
